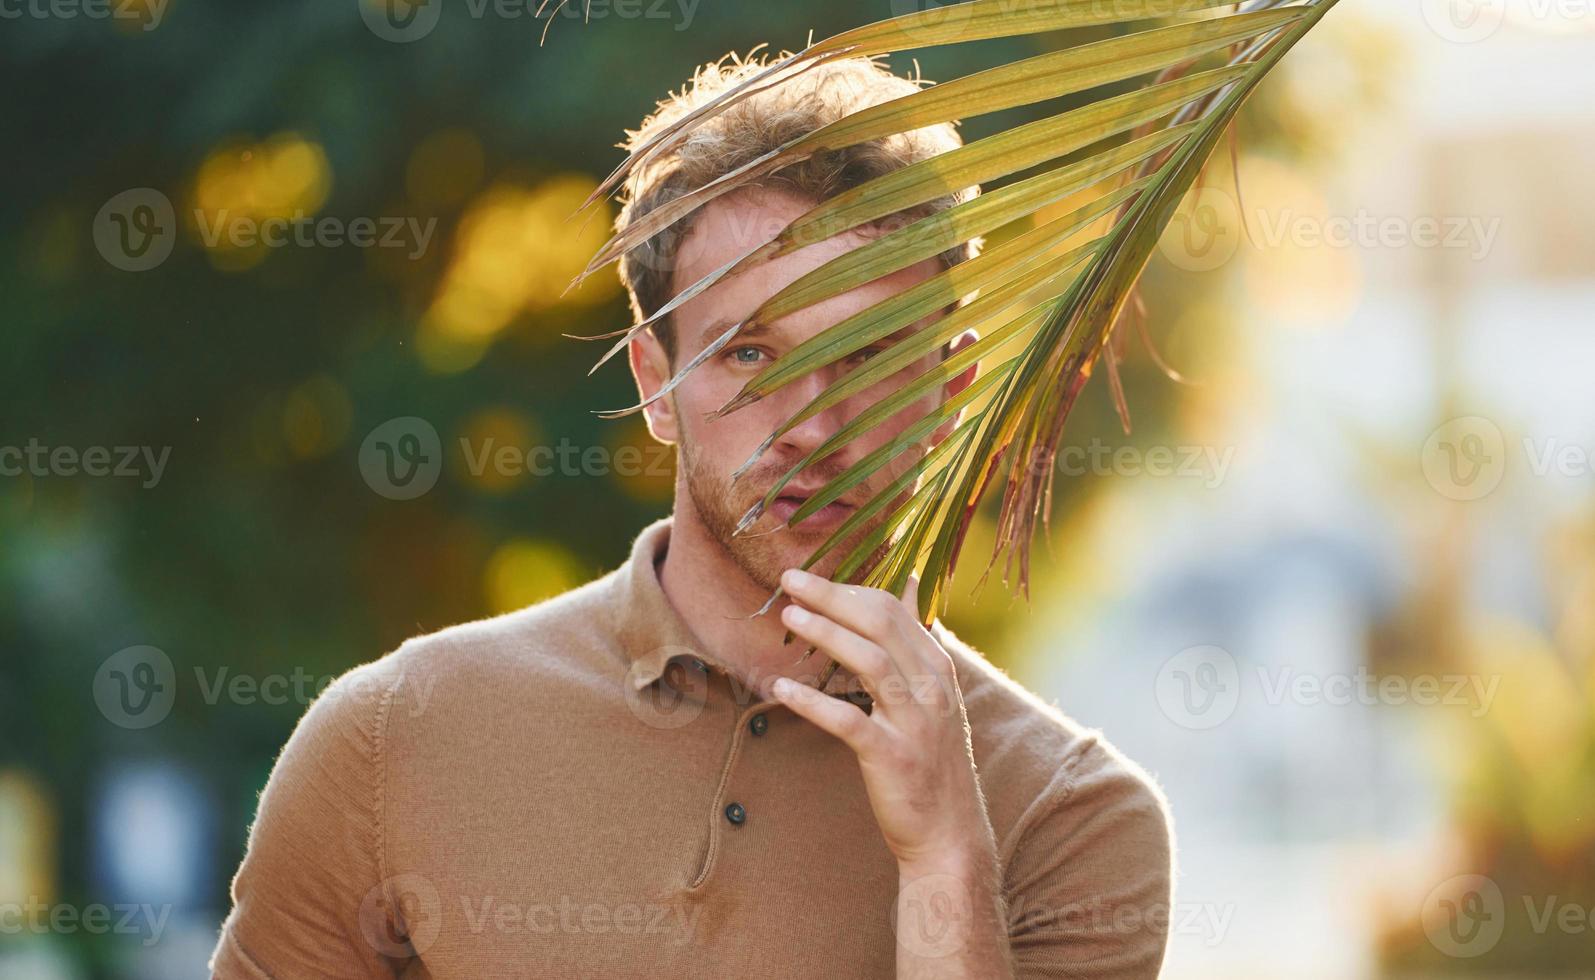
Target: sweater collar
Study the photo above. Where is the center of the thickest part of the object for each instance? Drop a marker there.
(652, 632)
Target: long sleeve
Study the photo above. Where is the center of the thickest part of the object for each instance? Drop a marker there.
(311, 898)
(1089, 882)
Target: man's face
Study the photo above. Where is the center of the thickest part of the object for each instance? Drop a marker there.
(710, 451)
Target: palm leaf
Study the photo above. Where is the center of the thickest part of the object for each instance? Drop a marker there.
(1047, 293)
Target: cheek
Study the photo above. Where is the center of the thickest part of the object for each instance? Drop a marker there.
(903, 417)
(706, 389)
(745, 428)
(739, 432)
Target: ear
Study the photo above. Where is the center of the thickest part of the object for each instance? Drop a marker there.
(956, 383)
(650, 366)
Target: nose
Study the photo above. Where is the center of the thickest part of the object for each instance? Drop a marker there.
(811, 433)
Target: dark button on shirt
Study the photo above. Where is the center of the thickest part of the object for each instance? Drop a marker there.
(758, 724)
(736, 814)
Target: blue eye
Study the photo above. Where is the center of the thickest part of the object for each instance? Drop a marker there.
(746, 355)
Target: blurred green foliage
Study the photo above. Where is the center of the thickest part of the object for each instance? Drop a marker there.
(261, 548)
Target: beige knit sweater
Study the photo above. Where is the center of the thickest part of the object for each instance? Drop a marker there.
(578, 790)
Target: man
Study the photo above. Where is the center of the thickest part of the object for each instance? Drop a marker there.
(638, 778)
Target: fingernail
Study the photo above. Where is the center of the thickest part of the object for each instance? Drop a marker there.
(796, 615)
(793, 578)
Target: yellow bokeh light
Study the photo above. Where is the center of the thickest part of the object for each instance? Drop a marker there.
(1538, 710)
(516, 250)
(495, 445)
(524, 571)
(315, 418)
(27, 850)
(644, 467)
(137, 18)
(238, 187)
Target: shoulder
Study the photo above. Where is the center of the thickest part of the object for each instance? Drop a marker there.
(569, 632)
(1038, 765)
(500, 665)
(1083, 833)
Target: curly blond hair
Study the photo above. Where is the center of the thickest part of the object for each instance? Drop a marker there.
(752, 127)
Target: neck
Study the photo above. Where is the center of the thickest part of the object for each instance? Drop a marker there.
(716, 599)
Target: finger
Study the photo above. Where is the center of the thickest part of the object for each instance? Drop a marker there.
(841, 718)
(873, 665)
(877, 616)
(871, 613)
(911, 596)
(936, 655)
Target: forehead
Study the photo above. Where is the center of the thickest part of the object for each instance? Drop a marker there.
(731, 226)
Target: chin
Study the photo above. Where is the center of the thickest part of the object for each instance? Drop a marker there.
(769, 547)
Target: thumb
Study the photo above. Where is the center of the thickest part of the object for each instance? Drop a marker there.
(910, 595)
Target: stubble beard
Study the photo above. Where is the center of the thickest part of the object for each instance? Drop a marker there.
(767, 549)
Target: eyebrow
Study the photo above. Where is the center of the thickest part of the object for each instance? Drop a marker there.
(713, 331)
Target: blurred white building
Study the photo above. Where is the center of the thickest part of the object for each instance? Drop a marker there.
(1453, 275)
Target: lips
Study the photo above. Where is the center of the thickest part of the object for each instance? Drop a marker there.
(830, 516)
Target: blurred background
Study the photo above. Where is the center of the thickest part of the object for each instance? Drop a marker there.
(1335, 588)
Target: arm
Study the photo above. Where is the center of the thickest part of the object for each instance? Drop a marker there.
(918, 767)
(1090, 873)
(310, 898)
(1082, 889)
(951, 919)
